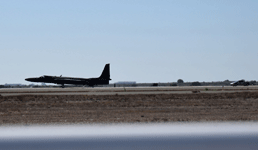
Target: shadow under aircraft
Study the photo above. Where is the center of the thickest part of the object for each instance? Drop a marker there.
(102, 80)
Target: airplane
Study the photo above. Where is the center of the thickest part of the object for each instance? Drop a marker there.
(240, 82)
(101, 80)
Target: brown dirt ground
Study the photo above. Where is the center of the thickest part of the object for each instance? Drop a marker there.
(51, 109)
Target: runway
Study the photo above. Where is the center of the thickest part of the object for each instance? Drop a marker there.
(125, 90)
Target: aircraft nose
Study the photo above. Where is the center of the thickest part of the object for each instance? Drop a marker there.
(28, 79)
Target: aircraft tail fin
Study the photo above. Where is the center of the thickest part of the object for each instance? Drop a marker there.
(106, 72)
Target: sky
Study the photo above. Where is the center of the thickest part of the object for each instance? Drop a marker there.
(143, 40)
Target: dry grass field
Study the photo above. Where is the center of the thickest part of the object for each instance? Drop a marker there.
(60, 109)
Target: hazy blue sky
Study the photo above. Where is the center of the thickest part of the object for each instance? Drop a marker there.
(143, 40)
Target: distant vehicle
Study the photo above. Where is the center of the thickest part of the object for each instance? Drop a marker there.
(102, 80)
(240, 82)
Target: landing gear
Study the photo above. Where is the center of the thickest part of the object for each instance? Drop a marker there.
(62, 86)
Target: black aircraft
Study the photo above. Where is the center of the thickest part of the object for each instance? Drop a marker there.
(103, 79)
(240, 82)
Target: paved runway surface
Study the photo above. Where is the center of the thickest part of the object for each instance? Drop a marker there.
(126, 90)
